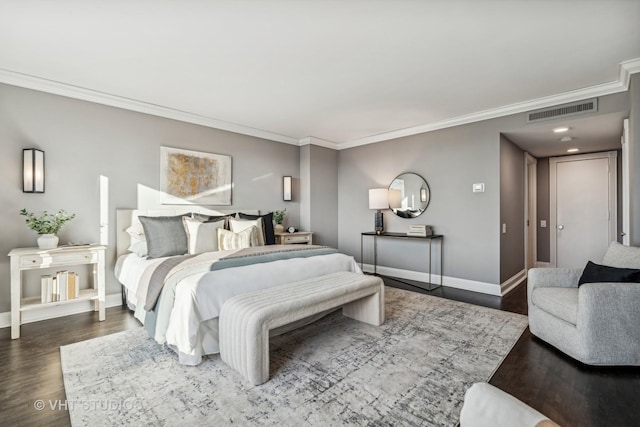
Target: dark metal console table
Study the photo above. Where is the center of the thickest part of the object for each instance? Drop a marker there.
(430, 285)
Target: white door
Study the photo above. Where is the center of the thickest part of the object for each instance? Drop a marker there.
(584, 205)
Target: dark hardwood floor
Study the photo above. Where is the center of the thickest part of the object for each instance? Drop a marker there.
(570, 393)
(31, 364)
(565, 390)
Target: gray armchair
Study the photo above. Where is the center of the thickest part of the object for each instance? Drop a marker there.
(596, 323)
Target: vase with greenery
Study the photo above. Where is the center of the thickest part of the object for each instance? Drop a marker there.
(47, 226)
(278, 219)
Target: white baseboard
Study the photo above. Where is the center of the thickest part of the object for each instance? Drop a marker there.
(541, 264)
(509, 284)
(452, 282)
(66, 309)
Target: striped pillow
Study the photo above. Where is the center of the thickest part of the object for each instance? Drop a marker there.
(243, 239)
(238, 225)
(202, 236)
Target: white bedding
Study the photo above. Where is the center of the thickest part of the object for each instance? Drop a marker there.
(188, 316)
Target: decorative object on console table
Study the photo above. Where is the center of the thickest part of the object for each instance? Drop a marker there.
(298, 237)
(33, 259)
(420, 230)
(47, 226)
(278, 219)
(47, 241)
(379, 199)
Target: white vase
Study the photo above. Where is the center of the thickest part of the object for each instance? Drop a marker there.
(48, 241)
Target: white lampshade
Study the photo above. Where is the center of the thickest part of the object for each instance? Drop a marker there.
(395, 199)
(32, 170)
(378, 198)
(286, 188)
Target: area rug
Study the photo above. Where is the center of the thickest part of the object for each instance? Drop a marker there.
(413, 370)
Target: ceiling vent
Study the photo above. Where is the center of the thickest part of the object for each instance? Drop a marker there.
(564, 110)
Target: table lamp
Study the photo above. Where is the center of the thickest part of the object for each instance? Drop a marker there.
(378, 199)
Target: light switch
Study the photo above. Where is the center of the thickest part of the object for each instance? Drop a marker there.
(478, 187)
(504, 228)
(543, 223)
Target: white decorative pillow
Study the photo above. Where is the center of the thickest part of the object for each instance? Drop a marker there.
(201, 236)
(139, 248)
(229, 240)
(238, 225)
(136, 232)
(138, 241)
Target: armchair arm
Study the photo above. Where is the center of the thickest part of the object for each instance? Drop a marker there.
(488, 406)
(608, 318)
(552, 277)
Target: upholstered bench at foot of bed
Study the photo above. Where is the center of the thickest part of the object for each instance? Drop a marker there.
(245, 320)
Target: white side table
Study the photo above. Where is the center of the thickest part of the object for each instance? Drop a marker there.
(34, 258)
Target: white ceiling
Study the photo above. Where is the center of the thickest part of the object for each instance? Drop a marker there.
(343, 71)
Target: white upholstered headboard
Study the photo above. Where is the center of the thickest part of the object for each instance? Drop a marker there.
(127, 217)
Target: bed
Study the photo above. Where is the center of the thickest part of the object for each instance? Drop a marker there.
(178, 297)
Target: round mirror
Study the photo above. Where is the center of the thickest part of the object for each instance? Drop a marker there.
(409, 195)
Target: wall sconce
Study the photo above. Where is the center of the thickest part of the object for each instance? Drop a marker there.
(423, 194)
(378, 199)
(286, 188)
(32, 170)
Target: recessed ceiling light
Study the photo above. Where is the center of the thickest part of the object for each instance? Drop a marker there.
(572, 150)
(561, 129)
(566, 139)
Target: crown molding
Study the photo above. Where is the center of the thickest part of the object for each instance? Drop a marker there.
(627, 68)
(312, 140)
(622, 84)
(57, 88)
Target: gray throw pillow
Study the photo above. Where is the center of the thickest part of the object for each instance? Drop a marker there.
(165, 235)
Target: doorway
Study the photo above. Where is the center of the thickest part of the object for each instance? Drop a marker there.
(583, 202)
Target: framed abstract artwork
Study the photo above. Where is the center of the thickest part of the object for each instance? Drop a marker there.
(194, 178)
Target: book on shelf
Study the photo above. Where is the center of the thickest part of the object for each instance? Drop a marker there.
(64, 286)
(46, 283)
(63, 282)
(54, 289)
(73, 285)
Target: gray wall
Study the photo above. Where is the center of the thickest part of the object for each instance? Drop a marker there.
(82, 141)
(305, 188)
(542, 209)
(319, 198)
(450, 160)
(634, 130)
(512, 172)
